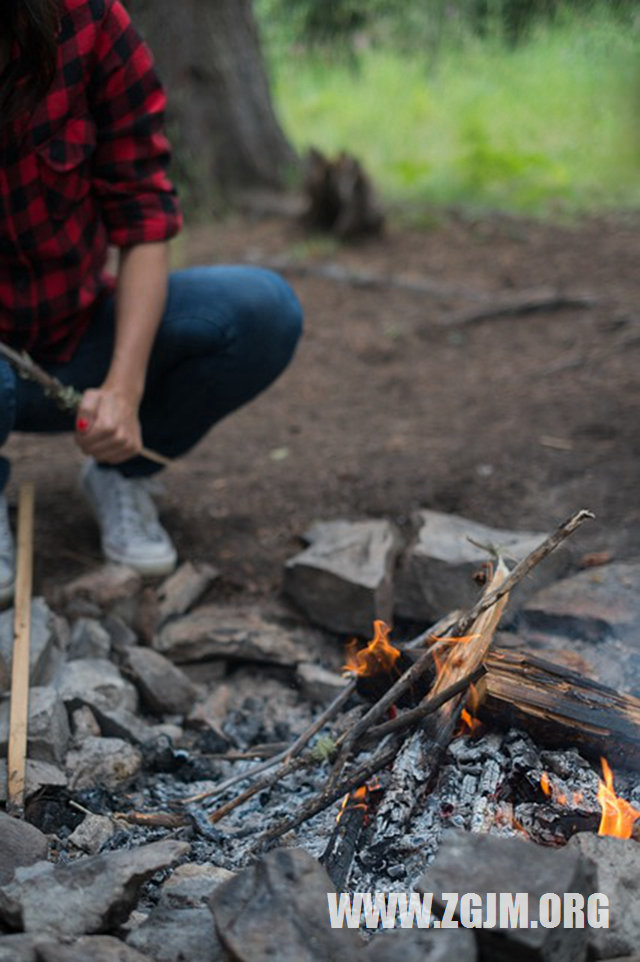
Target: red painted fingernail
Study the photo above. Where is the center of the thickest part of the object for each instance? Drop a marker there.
(82, 424)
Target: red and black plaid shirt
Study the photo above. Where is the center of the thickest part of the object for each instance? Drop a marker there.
(86, 169)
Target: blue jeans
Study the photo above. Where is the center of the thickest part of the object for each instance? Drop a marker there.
(226, 334)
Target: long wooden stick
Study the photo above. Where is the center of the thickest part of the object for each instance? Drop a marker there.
(63, 395)
(19, 712)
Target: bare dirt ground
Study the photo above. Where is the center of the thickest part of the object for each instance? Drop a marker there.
(515, 421)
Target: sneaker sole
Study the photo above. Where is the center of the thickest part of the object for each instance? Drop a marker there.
(162, 566)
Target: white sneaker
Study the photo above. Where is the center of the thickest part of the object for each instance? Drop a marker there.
(7, 555)
(130, 530)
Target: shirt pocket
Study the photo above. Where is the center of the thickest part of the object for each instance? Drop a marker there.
(64, 167)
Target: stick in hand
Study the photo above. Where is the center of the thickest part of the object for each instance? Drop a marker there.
(63, 395)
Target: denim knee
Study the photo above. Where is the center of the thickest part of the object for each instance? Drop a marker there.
(286, 318)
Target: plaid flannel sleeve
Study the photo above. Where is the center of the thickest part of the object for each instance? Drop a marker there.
(138, 201)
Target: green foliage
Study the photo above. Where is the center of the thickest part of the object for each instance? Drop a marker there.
(470, 119)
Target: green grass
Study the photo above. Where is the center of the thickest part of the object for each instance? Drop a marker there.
(548, 126)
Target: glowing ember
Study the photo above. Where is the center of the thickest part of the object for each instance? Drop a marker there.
(544, 784)
(377, 658)
(618, 815)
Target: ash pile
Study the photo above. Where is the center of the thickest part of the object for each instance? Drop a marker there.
(201, 774)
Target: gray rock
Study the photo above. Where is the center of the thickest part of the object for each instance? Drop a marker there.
(108, 762)
(46, 648)
(38, 775)
(164, 689)
(18, 948)
(426, 945)
(90, 895)
(435, 575)
(84, 723)
(121, 723)
(89, 640)
(48, 728)
(318, 684)
(485, 863)
(179, 935)
(277, 909)
(97, 948)
(191, 885)
(590, 605)
(120, 634)
(97, 683)
(182, 589)
(205, 673)
(225, 631)
(344, 580)
(92, 833)
(618, 876)
(20, 844)
(107, 587)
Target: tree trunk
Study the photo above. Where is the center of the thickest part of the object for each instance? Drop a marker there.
(221, 121)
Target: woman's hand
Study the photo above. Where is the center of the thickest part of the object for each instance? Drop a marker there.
(107, 426)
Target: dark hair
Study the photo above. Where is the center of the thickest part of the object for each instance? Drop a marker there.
(34, 25)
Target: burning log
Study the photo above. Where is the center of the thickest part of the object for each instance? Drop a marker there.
(559, 707)
(352, 819)
(420, 757)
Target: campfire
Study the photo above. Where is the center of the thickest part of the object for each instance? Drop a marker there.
(444, 729)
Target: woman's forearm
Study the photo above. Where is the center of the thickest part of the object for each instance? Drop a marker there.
(140, 299)
(108, 424)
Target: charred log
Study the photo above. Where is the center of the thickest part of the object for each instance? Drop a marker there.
(560, 708)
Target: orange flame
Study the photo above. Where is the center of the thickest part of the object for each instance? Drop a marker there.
(378, 657)
(618, 815)
(544, 783)
(360, 798)
(446, 662)
(470, 725)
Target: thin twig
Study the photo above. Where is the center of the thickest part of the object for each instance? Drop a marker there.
(522, 569)
(283, 757)
(377, 711)
(302, 761)
(408, 718)
(330, 793)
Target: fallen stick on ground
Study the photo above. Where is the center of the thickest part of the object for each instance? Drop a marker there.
(522, 303)
(19, 711)
(63, 395)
